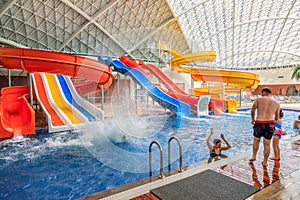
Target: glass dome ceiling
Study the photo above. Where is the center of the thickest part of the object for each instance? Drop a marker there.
(246, 34)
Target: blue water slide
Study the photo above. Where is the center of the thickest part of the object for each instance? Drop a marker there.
(165, 100)
(71, 100)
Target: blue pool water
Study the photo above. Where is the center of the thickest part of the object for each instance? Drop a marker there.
(69, 165)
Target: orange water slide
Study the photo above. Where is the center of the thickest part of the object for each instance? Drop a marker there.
(16, 114)
(33, 60)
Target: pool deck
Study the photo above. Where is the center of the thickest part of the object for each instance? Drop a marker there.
(279, 180)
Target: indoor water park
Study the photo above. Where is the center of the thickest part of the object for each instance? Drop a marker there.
(148, 99)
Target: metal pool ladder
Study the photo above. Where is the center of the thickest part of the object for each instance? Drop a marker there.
(180, 154)
(161, 156)
(161, 175)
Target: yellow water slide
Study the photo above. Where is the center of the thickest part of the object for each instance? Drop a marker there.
(244, 80)
(57, 97)
(233, 80)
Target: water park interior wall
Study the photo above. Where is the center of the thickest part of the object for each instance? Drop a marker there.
(280, 89)
(276, 76)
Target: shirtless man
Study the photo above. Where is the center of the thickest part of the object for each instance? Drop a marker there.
(263, 126)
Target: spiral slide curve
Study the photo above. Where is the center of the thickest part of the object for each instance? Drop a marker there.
(245, 80)
(32, 60)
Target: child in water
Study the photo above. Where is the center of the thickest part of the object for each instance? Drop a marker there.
(216, 148)
(277, 136)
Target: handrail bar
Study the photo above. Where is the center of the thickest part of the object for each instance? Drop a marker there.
(161, 159)
(180, 154)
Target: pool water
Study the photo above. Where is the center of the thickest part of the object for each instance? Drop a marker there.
(69, 165)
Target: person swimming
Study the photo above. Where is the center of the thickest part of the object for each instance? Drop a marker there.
(215, 150)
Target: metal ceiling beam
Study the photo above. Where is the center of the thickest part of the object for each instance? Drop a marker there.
(92, 20)
(89, 21)
(6, 6)
(11, 43)
(279, 35)
(146, 37)
(176, 17)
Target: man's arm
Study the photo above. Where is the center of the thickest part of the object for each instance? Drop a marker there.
(253, 109)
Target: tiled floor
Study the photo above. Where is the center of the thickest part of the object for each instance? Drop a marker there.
(279, 180)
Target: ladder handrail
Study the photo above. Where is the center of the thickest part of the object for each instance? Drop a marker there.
(161, 159)
(180, 154)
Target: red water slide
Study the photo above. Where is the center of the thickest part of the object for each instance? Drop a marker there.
(33, 60)
(17, 116)
(174, 90)
(171, 86)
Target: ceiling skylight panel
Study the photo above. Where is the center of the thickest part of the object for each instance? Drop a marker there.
(274, 59)
(260, 37)
(256, 9)
(218, 16)
(228, 41)
(242, 10)
(186, 26)
(277, 7)
(295, 12)
(289, 35)
(180, 6)
(245, 33)
(287, 8)
(267, 8)
(210, 17)
(177, 5)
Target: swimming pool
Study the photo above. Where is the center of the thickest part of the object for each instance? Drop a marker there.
(69, 165)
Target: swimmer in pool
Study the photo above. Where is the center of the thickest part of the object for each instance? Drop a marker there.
(216, 148)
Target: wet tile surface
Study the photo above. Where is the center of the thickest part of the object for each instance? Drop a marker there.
(279, 180)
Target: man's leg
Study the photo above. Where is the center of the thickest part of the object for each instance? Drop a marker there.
(254, 148)
(266, 151)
